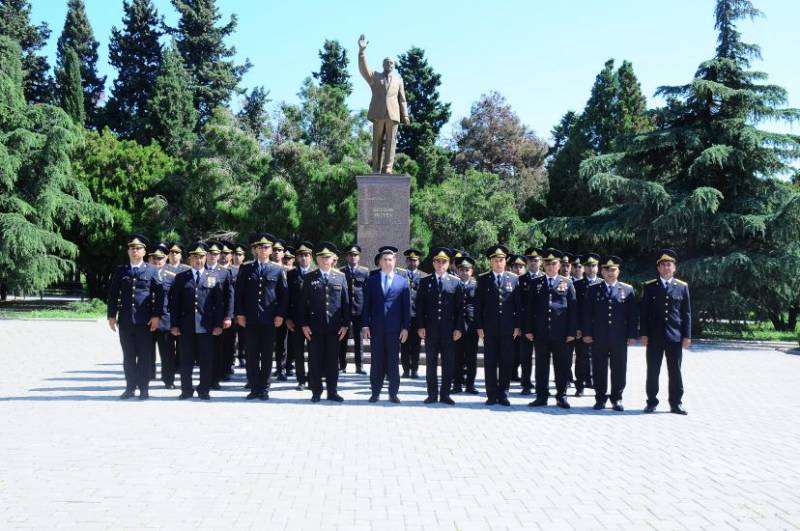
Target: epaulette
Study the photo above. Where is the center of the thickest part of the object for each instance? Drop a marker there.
(650, 281)
(169, 273)
(335, 270)
(625, 285)
(512, 273)
(362, 268)
(401, 269)
(681, 282)
(485, 273)
(450, 275)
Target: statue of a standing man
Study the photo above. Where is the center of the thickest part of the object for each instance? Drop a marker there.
(387, 108)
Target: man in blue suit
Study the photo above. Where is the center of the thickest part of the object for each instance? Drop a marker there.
(385, 319)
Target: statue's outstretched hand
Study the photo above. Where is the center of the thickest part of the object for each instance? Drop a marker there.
(362, 43)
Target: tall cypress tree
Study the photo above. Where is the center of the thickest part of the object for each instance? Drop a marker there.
(136, 54)
(170, 110)
(77, 35)
(709, 183)
(253, 115)
(15, 23)
(40, 197)
(71, 90)
(333, 67)
(206, 56)
(428, 112)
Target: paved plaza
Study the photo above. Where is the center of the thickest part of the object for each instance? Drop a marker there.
(73, 456)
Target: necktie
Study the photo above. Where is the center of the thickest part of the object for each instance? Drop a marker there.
(440, 283)
(608, 290)
(385, 284)
(197, 277)
(551, 282)
(499, 281)
(324, 278)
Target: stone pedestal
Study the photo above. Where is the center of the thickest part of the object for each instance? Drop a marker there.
(384, 214)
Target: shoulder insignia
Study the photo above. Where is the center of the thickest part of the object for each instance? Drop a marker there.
(624, 285)
(650, 281)
(681, 282)
(401, 269)
(362, 268)
(485, 273)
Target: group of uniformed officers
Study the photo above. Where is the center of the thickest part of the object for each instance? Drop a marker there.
(278, 305)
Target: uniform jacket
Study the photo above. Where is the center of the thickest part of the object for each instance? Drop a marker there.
(610, 319)
(197, 308)
(355, 287)
(261, 296)
(440, 311)
(324, 306)
(135, 298)
(666, 314)
(551, 312)
(468, 306)
(498, 311)
(295, 280)
(581, 287)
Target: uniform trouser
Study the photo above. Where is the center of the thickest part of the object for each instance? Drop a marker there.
(323, 360)
(655, 354)
(223, 352)
(168, 352)
(439, 346)
(466, 359)
(355, 332)
(409, 355)
(517, 361)
(555, 349)
(526, 360)
(385, 354)
(571, 354)
(240, 343)
(583, 364)
(298, 342)
(280, 348)
(229, 344)
(617, 354)
(384, 133)
(259, 342)
(498, 355)
(200, 346)
(138, 350)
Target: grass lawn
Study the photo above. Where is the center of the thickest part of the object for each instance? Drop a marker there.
(759, 331)
(49, 309)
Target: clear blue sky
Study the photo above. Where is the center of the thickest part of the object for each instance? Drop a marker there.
(541, 55)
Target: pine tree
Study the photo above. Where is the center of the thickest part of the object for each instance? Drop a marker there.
(15, 23)
(77, 35)
(40, 197)
(333, 67)
(253, 116)
(202, 46)
(71, 90)
(136, 54)
(428, 113)
(710, 184)
(170, 110)
(630, 110)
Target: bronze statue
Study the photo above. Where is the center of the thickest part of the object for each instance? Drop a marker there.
(387, 108)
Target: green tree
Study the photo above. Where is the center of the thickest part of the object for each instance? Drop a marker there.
(493, 139)
(71, 90)
(15, 23)
(709, 183)
(253, 116)
(170, 110)
(206, 56)
(428, 113)
(77, 35)
(136, 54)
(40, 198)
(124, 176)
(333, 68)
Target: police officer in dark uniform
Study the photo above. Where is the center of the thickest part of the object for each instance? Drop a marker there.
(225, 368)
(296, 278)
(466, 358)
(238, 258)
(409, 351)
(583, 351)
(324, 318)
(666, 329)
(135, 303)
(517, 265)
(440, 316)
(551, 324)
(610, 324)
(218, 365)
(261, 303)
(497, 319)
(534, 261)
(166, 342)
(356, 276)
(281, 332)
(197, 307)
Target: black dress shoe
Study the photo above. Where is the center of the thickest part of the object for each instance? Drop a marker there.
(429, 400)
(216, 387)
(598, 406)
(525, 391)
(126, 395)
(315, 398)
(335, 397)
(185, 396)
(447, 400)
(252, 395)
(289, 372)
(144, 395)
(359, 370)
(414, 374)
(503, 401)
(456, 390)
(538, 402)
(472, 391)
(678, 410)
(490, 402)
(405, 374)
(264, 395)
(169, 386)
(247, 387)
(579, 392)
(204, 396)
(373, 399)
(300, 387)
(282, 377)
(562, 403)
(617, 406)
(650, 409)
(393, 399)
